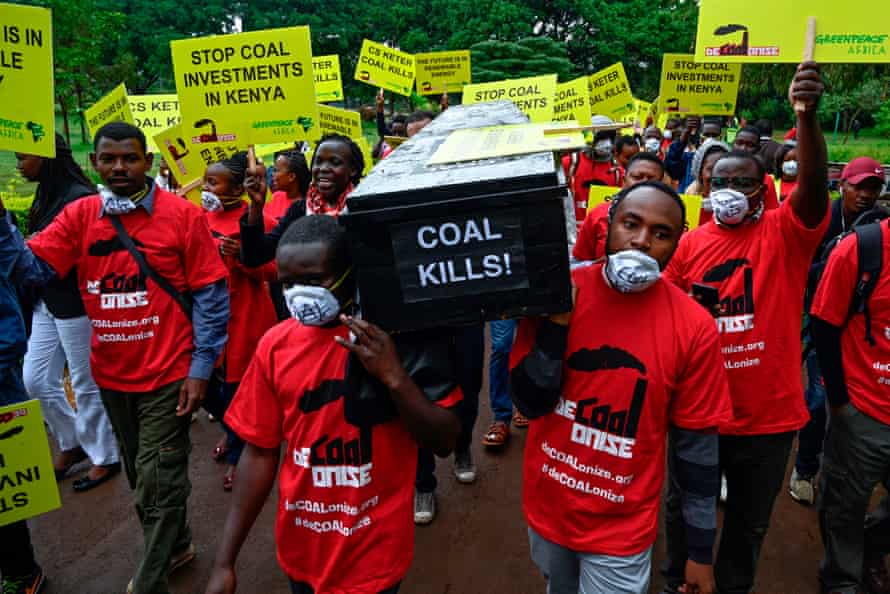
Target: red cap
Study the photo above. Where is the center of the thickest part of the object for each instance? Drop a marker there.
(862, 168)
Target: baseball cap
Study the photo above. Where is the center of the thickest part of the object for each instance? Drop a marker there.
(862, 168)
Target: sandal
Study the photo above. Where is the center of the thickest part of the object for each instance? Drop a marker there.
(219, 453)
(77, 455)
(497, 435)
(520, 421)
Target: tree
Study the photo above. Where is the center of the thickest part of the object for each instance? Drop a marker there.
(532, 56)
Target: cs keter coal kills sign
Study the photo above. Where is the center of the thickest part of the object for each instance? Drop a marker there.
(467, 254)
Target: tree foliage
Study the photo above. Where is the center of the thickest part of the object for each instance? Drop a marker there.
(498, 60)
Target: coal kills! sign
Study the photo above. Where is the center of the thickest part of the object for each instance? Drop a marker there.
(462, 255)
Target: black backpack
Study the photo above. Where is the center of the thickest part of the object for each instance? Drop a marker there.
(867, 228)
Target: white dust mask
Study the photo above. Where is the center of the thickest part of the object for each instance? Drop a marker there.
(631, 271)
(789, 168)
(652, 145)
(730, 206)
(114, 204)
(313, 305)
(211, 201)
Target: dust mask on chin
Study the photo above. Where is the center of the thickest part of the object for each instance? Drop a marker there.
(631, 271)
(210, 201)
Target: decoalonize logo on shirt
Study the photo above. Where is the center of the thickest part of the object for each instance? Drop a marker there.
(736, 313)
(595, 424)
(117, 291)
(334, 460)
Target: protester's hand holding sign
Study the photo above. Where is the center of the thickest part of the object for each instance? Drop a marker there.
(255, 185)
(809, 200)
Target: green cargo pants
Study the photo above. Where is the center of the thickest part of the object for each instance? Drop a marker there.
(155, 448)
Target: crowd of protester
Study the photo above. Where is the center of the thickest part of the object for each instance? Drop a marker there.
(677, 372)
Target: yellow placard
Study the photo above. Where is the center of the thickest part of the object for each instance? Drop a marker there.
(610, 93)
(362, 143)
(154, 114)
(27, 95)
(689, 87)
(571, 101)
(267, 151)
(601, 194)
(27, 482)
(246, 88)
(769, 31)
(113, 107)
(328, 81)
(339, 121)
(438, 72)
(385, 67)
(188, 161)
(472, 144)
(533, 96)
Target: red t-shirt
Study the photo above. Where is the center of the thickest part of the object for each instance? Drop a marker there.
(250, 305)
(760, 271)
(589, 172)
(276, 207)
(634, 364)
(141, 338)
(591, 242)
(344, 523)
(866, 367)
(770, 200)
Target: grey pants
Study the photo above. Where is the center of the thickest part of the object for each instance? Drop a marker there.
(857, 458)
(571, 572)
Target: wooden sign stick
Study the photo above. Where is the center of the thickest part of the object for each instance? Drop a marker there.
(809, 49)
(569, 129)
(183, 190)
(251, 157)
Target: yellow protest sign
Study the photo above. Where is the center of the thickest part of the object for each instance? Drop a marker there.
(246, 88)
(27, 95)
(27, 481)
(266, 152)
(339, 121)
(154, 114)
(769, 31)
(610, 93)
(438, 72)
(385, 67)
(533, 96)
(188, 160)
(571, 101)
(600, 194)
(113, 107)
(362, 143)
(328, 81)
(472, 144)
(689, 87)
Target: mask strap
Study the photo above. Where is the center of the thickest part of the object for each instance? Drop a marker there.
(339, 282)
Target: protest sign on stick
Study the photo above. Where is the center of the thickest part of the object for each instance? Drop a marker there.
(188, 161)
(328, 80)
(246, 88)
(768, 31)
(474, 144)
(441, 72)
(27, 95)
(571, 102)
(600, 194)
(154, 114)
(113, 107)
(339, 121)
(533, 95)
(27, 480)
(689, 87)
(385, 67)
(610, 93)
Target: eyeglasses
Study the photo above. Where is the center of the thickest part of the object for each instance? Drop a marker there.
(743, 184)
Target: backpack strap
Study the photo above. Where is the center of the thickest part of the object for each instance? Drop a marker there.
(869, 239)
(183, 301)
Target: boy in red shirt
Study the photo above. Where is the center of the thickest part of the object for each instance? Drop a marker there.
(334, 388)
(252, 311)
(855, 366)
(758, 261)
(602, 386)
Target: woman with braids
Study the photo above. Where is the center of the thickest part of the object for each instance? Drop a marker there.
(252, 312)
(290, 182)
(61, 331)
(337, 167)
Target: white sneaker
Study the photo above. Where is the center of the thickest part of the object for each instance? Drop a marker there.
(724, 490)
(802, 489)
(464, 469)
(424, 507)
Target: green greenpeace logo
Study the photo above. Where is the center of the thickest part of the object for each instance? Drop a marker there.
(858, 45)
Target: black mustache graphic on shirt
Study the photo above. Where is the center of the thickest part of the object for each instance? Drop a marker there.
(327, 392)
(106, 247)
(604, 358)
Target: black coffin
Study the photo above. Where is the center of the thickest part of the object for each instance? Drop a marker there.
(459, 243)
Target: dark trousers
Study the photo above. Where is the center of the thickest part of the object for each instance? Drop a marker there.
(470, 362)
(304, 588)
(16, 553)
(155, 447)
(857, 458)
(754, 466)
(812, 436)
(219, 397)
